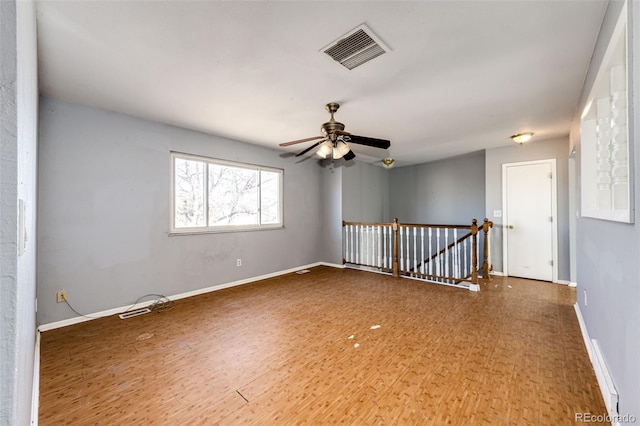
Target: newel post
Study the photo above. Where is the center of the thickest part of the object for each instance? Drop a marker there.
(485, 262)
(474, 251)
(396, 262)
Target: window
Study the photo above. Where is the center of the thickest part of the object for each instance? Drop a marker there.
(213, 195)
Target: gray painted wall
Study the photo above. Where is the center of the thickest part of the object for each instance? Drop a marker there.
(365, 193)
(18, 124)
(449, 191)
(608, 252)
(534, 150)
(104, 213)
(331, 224)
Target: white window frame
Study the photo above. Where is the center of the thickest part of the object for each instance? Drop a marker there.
(228, 228)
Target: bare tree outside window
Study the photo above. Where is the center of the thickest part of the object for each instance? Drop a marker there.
(233, 196)
(270, 197)
(218, 195)
(189, 193)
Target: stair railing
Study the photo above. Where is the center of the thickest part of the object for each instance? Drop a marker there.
(446, 254)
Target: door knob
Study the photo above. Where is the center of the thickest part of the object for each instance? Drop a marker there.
(510, 227)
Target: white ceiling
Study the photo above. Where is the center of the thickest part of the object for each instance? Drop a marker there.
(462, 75)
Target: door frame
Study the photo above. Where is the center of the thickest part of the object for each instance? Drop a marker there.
(554, 212)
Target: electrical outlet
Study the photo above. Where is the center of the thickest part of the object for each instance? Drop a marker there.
(61, 296)
(239, 262)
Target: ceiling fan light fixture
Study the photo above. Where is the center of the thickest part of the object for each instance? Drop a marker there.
(325, 149)
(521, 138)
(387, 162)
(340, 150)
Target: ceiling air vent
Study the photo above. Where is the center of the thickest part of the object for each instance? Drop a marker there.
(356, 47)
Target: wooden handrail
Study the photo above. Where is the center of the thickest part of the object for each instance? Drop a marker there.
(406, 225)
(366, 223)
(417, 225)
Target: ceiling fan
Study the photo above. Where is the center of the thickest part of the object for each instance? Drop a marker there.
(334, 142)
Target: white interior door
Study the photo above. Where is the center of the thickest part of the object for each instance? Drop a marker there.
(529, 191)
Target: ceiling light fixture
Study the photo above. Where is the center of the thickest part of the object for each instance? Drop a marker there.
(335, 150)
(325, 150)
(521, 138)
(340, 149)
(387, 162)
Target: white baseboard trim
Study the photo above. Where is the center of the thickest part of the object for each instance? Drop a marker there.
(583, 330)
(366, 269)
(573, 284)
(498, 273)
(333, 265)
(109, 312)
(35, 392)
(563, 282)
(607, 388)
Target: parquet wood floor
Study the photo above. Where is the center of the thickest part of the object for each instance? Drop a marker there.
(279, 351)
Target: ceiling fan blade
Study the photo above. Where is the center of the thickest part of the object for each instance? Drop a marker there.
(376, 143)
(349, 155)
(301, 140)
(309, 149)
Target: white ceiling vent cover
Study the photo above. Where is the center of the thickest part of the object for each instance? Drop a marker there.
(358, 46)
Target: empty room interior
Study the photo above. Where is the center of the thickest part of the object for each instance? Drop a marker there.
(319, 212)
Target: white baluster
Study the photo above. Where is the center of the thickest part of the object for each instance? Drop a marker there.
(350, 243)
(384, 246)
(456, 254)
(464, 252)
(379, 245)
(438, 257)
(478, 251)
(365, 244)
(401, 244)
(373, 246)
(415, 251)
(390, 245)
(488, 236)
(367, 250)
(367, 253)
(360, 232)
(353, 256)
(385, 232)
(447, 263)
(430, 251)
(376, 243)
(422, 249)
(346, 243)
(408, 257)
(354, 242)
(372, 252)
